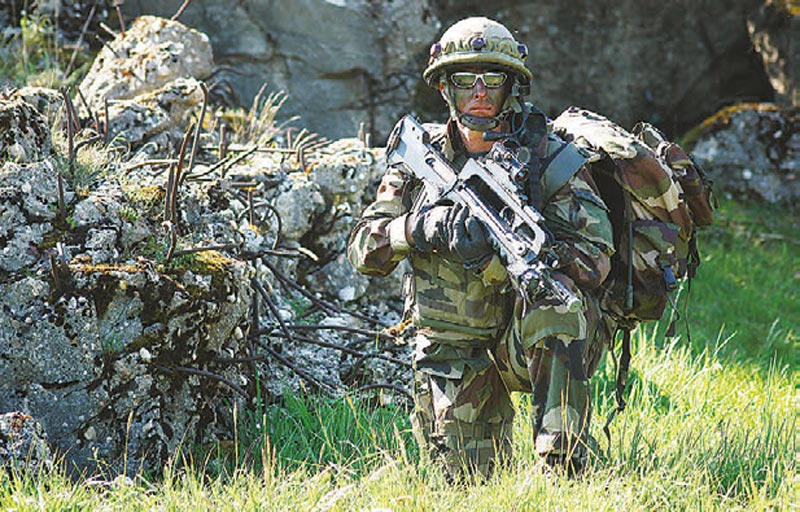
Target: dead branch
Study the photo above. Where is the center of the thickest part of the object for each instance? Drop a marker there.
(393, 387)
(342, 348)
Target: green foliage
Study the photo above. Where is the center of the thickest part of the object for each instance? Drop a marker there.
(299, 305)
(128, 213)
(31, 56)
(710, 425)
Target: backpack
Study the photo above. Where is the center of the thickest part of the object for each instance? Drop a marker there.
(657, 196)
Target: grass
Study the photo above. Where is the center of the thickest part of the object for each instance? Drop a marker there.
(30, 55)
(710, 422)
(710, 425)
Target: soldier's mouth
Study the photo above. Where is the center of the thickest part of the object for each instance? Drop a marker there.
(481, 110)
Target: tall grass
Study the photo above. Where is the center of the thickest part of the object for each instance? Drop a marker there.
(710, 425)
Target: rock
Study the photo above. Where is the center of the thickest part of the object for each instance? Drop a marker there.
(773, 28)
(158, 117)
(753, 151)
(23, 444)
(46, 101)
(106, 353)
(342, 171)
(24, 132)
(338, 60)
(100, 208)
(339, 278)
(343, 63)
(152, 53)
(27, 208)
(298, 205)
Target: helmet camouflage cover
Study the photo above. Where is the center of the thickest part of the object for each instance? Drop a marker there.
(478, 42)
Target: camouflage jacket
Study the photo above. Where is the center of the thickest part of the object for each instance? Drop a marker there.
(469, 308)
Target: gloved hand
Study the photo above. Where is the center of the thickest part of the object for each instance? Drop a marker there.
(452, 232)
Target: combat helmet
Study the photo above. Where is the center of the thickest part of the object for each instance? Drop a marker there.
(479, 41)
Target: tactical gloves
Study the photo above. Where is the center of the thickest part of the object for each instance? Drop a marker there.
(452, 232)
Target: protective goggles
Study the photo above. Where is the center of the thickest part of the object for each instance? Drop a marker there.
(468, 79)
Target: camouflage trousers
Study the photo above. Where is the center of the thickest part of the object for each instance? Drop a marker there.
(463, 412)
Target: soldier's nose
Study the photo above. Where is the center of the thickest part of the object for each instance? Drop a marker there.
(480, 88)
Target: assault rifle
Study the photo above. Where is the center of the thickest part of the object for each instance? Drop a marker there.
(492, 190)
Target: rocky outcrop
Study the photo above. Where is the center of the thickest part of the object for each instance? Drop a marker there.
(752, 151)
(114, 360)
(126, 334)
(342, 63)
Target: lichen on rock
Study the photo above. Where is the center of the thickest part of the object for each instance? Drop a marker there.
(753, 151)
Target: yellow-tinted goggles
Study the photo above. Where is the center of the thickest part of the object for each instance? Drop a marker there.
(467, 79)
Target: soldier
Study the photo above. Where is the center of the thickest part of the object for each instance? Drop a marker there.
(476, 339)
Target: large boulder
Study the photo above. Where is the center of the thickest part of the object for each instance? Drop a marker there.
(157, 117)
(753, 151)
(146, 81)
(150, 54)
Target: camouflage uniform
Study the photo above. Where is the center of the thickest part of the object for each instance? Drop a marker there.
(476, 341)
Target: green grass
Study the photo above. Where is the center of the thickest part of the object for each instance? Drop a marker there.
(710, 425)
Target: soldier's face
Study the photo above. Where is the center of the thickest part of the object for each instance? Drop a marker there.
(479, 99)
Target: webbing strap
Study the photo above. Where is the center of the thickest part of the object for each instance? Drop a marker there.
(622, 378)
(686, 309)
(560, 169)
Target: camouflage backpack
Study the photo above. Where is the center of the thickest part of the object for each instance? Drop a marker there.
(656, 197)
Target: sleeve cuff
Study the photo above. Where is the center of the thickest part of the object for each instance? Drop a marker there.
(397, 236)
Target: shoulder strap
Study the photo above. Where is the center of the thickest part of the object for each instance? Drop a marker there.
(560, 168)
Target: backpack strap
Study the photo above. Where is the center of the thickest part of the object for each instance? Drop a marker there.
(622, 374)
(560, 168)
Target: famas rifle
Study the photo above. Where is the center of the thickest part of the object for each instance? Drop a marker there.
(491, 189)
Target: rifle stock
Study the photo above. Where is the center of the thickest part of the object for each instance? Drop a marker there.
(489, 189)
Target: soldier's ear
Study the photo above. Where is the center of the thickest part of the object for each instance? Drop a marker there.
(443, 91)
